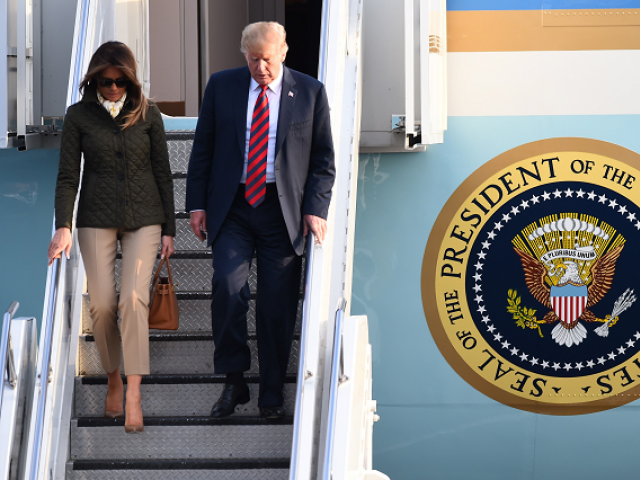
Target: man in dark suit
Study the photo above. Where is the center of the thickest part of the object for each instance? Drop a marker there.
(259, 178)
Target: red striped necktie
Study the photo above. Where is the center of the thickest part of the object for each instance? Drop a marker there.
(256, 184)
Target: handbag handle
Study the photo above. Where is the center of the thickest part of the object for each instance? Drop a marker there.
(155, 277)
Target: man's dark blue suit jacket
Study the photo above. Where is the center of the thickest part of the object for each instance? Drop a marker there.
(304, 158)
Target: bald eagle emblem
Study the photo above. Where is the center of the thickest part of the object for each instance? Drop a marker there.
(569, 264)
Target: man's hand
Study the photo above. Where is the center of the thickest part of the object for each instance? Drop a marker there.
(317, 225)
(198, 222)
(61, 242)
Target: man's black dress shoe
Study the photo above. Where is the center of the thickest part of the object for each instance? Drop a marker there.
(231, 396)
(272, 412)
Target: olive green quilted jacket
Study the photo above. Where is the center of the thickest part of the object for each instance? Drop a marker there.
(126, 182)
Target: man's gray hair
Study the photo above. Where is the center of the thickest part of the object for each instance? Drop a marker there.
(256, 34)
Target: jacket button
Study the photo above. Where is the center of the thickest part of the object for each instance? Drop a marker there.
(119, 154)
(121, 177)
(116, 131)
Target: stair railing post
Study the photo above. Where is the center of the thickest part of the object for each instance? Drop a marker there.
(6, 352)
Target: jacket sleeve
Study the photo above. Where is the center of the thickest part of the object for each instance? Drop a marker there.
(322, 171)
(68, 171)
(162, 170)
(202, 153)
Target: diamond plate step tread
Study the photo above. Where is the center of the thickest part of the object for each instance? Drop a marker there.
(189, 274)
(177, 379)
(166, 337)
(183, 254)
(240, 474)
(179, 475)
(175, 354)
(192, 271)
(179, 146)
(205, 438)
(183, 397)
(232, 469)
(195, 314)
(185, 238)
(179, 192)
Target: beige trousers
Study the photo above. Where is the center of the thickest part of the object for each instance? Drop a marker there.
(139, 251)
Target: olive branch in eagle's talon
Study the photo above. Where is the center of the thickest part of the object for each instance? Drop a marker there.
(523, 316)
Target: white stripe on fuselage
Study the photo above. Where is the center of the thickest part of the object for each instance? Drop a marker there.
(603, 82)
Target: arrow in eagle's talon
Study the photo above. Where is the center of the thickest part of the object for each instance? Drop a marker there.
(623, 302)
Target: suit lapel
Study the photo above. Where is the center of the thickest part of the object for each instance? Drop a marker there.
(287, 104)
(241, 98)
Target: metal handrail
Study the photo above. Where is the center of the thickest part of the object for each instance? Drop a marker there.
(303, 373)
(6, 352)
(337, 378)
(74, 93)
(324, 36)
(47, 327)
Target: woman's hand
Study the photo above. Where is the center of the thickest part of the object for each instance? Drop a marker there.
(167, 247)
(60, 242)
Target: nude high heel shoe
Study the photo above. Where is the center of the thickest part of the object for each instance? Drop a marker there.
(114, 413)
(133, 428)
(129, 428)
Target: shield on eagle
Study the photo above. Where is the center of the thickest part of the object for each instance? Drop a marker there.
(569, 301)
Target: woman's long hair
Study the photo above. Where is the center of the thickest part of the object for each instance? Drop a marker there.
(117, 54)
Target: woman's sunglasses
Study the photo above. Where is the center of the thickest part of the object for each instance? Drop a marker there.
(107, 82)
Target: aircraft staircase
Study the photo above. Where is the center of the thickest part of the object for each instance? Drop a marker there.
(327, 432)
(180, 440)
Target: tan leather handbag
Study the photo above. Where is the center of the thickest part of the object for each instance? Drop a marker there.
(163, 307)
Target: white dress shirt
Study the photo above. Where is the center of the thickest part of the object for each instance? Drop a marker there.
(273, 95)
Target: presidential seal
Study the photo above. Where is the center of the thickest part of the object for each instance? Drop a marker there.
(530, 275)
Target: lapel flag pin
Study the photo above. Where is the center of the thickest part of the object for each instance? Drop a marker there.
(290, 94)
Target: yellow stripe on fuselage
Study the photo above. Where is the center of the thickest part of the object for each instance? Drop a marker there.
(543, 30)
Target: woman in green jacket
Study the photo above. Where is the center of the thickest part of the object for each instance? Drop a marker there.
(126, 195)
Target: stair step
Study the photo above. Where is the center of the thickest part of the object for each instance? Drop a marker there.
(191, 272)
(188, 469)
(184, 238)
(179, 192)
(195, 314)
(174, 395)
(182, 437)
(171, 354)
(177, 474)
(179, 146)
